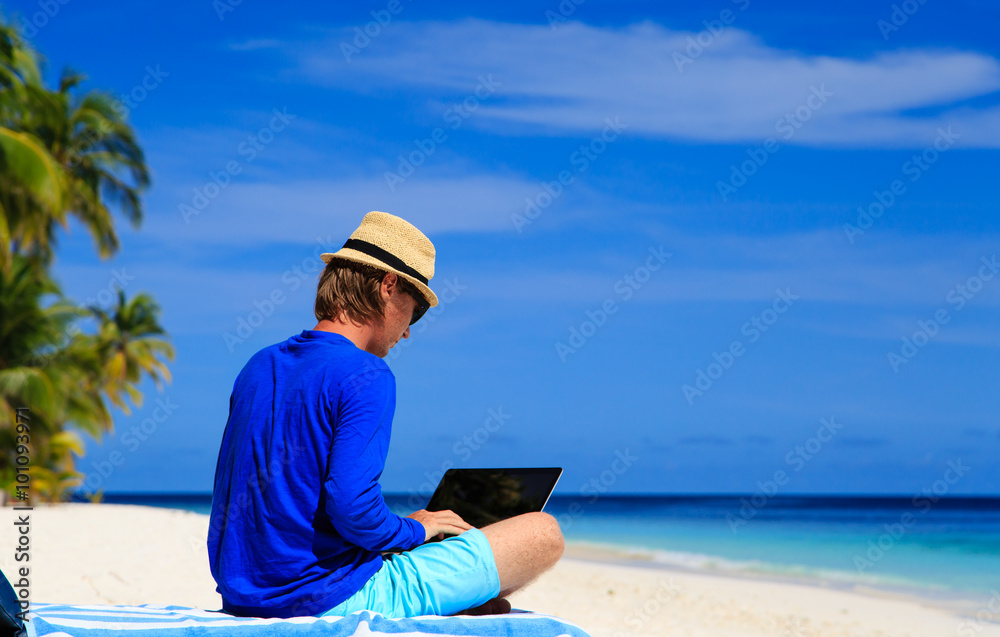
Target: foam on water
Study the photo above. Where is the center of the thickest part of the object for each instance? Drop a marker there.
(953, 547)
(701, 562)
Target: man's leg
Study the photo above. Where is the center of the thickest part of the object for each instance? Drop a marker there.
(524, 547)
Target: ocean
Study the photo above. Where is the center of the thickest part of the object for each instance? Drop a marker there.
(939, 547)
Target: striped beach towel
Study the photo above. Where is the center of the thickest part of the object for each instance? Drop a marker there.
(61, 620)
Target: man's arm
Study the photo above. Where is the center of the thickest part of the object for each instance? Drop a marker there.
(354, 501)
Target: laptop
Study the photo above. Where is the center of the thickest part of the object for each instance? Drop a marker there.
(485, 496)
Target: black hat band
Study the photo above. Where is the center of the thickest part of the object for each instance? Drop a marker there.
(385, 257)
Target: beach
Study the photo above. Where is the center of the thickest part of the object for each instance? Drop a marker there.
(126, 554)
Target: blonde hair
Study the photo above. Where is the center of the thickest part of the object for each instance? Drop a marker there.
(353, 289)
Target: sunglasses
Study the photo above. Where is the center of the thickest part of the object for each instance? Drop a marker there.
(420, 310)
(422, 304)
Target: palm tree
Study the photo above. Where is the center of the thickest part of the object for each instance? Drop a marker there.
(54, 474)
(128, 343)
(61, 155)
(32, 188)
(30, 178)
(90, 139)
(29, 331)
(67, 377)
(64, 155)
(39, 369)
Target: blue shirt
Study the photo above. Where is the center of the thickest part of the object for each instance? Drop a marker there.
(298, 518)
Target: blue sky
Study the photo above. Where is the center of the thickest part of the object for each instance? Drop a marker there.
(626, 200)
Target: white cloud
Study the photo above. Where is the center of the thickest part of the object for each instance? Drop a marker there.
(254, 45)
(871, 292)
(917, 272)
(569, 79)
(299, 211)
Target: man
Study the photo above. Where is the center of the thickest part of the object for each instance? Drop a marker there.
(298, 522)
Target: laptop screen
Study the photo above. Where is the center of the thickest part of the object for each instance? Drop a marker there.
(484, 496)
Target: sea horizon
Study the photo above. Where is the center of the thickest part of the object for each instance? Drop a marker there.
(83, 496)
(941, 548)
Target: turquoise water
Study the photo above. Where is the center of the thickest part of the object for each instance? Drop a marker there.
(951, 546)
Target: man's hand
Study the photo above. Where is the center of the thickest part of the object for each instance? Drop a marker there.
(440, 522)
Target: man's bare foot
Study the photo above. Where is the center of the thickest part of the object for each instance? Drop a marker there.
(496, 606)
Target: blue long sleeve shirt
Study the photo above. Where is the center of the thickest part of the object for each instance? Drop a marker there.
(298, 518)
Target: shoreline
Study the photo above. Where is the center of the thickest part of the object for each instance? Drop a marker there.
(132, 554)
(962, 603)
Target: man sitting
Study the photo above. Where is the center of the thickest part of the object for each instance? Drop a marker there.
(298, 522)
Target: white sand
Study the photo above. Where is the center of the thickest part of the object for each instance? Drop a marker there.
(112, 554)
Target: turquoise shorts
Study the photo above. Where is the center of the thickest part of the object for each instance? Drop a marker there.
(436, 578)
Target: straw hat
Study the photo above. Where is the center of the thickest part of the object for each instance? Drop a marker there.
(390, 243)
